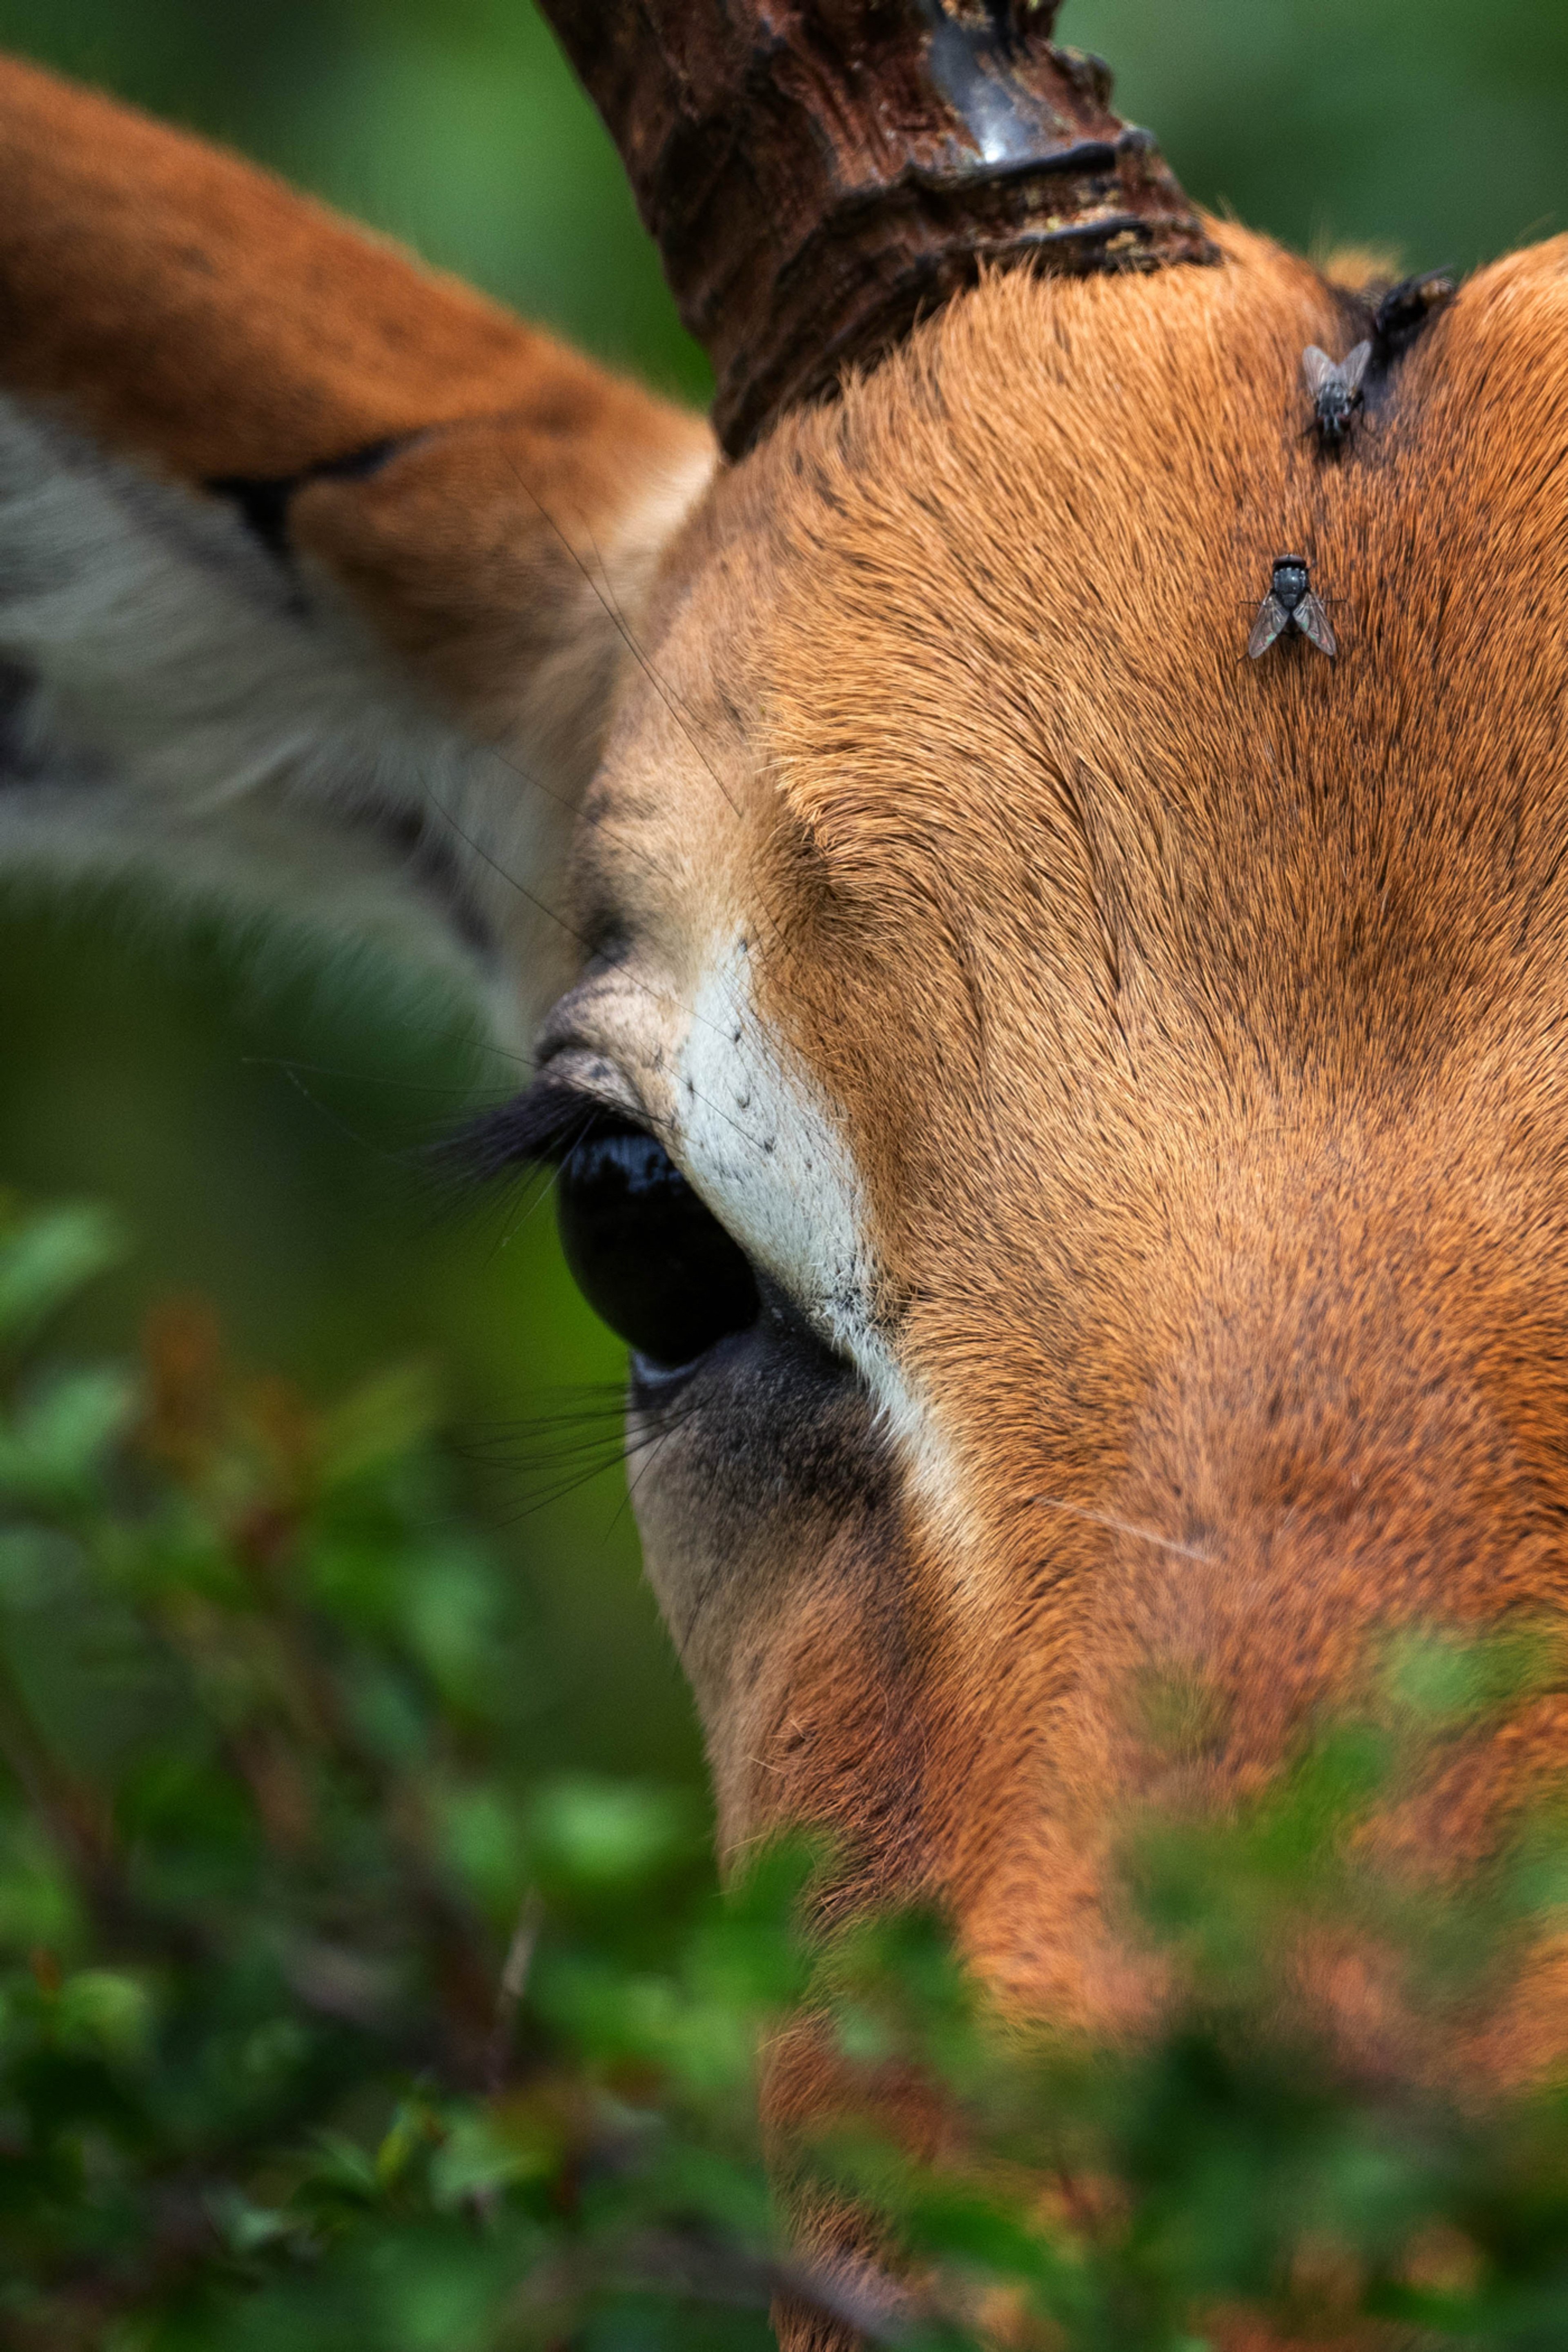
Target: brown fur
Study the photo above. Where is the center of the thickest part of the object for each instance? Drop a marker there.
(191, 308)
(189, 312)
(1195, 1026)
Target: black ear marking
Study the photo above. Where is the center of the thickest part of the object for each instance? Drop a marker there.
(264, 500)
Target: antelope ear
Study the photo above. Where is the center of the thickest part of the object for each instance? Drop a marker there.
(316, 570)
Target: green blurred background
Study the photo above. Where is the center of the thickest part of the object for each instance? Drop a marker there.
(257, 1115)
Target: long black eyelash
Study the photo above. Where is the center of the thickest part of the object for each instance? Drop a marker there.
(539, 1128)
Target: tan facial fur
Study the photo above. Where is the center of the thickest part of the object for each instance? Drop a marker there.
(1188, 1033)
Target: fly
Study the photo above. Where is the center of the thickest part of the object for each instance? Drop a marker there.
(1335, 386)
(1291, 608)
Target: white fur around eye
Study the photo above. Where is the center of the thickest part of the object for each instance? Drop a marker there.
(761, 1145)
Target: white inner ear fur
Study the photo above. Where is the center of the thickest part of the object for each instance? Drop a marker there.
(199, 712)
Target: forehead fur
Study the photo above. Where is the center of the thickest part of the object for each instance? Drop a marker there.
(1039, 822)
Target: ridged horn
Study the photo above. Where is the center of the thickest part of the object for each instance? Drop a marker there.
(820, 173)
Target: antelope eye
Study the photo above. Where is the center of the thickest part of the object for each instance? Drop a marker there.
(646, 1254)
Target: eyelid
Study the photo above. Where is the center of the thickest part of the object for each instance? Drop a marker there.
(575, 1094)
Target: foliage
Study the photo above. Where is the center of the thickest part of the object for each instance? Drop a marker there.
(320, 2029)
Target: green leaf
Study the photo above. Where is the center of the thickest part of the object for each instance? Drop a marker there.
(602, 1835)
(482, 1841)
(58, 1438)
(483, 2153)
(377, 1423)
(450, 1606)
(47, 1259)
(104, 2010)
(248, 2228)
(341, 2167)
(39, 1906)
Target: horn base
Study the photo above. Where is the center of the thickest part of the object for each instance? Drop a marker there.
(820, 175)
(857, 288)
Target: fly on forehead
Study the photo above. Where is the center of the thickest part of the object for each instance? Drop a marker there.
(1291, 608)
(1335, 388)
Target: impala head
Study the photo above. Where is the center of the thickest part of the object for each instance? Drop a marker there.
(1072, 1121)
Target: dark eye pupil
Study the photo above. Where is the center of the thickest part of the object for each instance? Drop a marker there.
(646, 1254)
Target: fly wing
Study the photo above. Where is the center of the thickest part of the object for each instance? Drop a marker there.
(1353, 367)
(1271, 619)
(1313, 623)
(1317, 369)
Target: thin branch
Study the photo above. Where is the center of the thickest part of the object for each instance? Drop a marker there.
(514, 1976)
